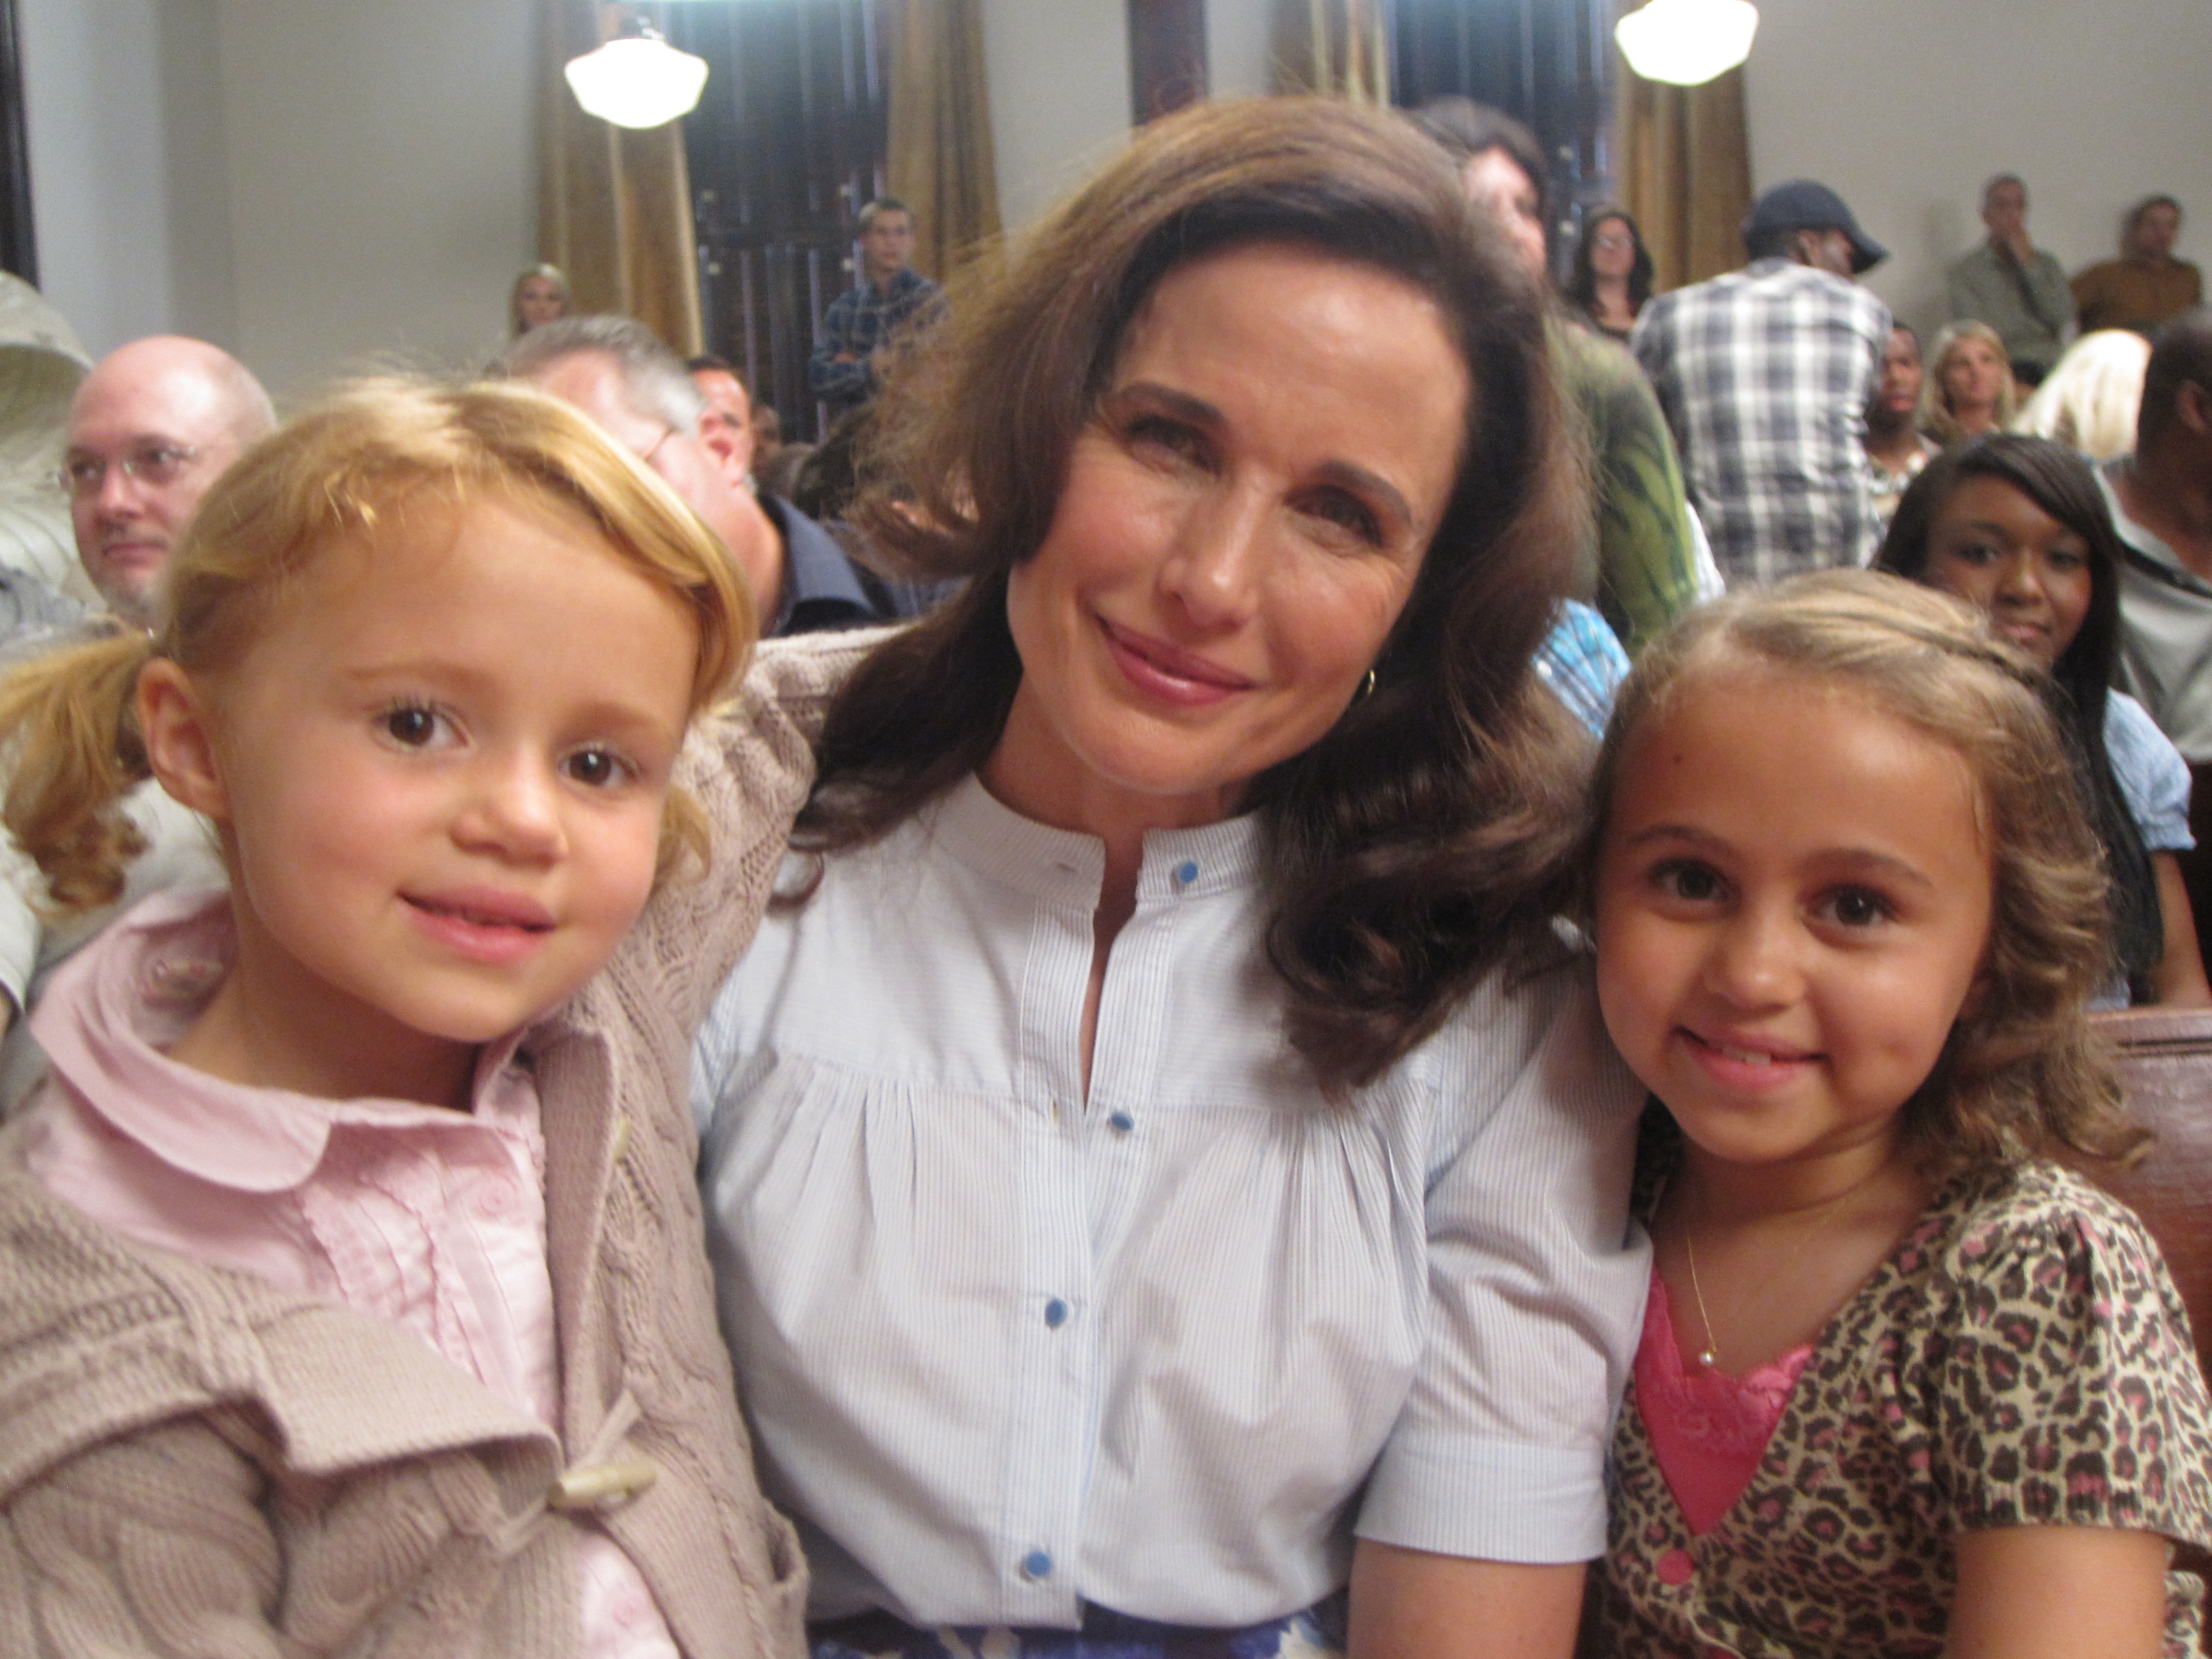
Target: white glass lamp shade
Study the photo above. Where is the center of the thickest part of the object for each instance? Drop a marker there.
(637, 82)
(1687, 42)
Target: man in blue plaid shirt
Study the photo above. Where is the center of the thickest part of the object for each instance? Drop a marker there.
(1765, 374)
(848, 368)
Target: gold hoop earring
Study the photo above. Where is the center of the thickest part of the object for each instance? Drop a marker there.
(1366, 687)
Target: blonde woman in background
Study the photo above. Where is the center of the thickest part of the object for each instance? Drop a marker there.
(2091, 397)
(1969, 388)
(540, 296)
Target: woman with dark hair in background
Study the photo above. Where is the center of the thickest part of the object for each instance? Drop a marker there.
(1162, 1137)
(1612, 278)
(2017, 525)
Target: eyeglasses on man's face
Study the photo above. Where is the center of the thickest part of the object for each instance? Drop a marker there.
(155, 462)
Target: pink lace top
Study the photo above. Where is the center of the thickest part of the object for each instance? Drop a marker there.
(1707, 1429)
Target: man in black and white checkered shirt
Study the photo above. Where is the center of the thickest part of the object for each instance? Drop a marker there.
(1765, 374)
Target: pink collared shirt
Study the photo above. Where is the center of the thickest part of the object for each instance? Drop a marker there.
(429, 1220)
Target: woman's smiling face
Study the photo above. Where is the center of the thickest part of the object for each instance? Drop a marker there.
(1992, 545)
(1240, 526)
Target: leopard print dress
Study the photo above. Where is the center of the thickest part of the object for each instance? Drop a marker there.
(2021, 1359)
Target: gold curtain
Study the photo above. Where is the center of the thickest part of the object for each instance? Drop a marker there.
(1336, 46)
(1685, 172)
(613, 205)
(940, 160)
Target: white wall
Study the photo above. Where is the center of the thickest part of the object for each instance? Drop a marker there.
(311, 185)
(1060, 86)
(124, 121)
(1907, 107)
(1059, 96)
(1240, 48)
(383, 187)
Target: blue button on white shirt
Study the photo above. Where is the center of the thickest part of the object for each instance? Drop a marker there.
(1008, 1350)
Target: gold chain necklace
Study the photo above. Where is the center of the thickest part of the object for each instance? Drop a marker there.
(1708, 1355)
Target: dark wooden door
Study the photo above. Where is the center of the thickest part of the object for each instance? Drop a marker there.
(786, 146)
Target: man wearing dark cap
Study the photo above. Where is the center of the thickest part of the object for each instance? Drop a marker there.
(1765, 375)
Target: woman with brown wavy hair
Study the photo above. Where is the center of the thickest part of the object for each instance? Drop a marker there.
(1161, 1165)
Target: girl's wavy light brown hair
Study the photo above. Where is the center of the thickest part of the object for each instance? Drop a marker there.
(375, 457)
(1424, 839)
(2022, 1075)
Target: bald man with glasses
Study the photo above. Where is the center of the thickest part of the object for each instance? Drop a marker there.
(151, 429)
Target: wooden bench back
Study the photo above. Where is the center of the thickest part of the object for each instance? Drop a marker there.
(2164, 1063)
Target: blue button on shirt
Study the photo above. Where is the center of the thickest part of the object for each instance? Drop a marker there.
(1283, 1317)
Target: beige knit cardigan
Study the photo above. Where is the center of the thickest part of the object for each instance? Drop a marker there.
(193, 1462)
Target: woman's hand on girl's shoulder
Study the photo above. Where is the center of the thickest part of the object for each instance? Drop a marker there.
(2086, 1592)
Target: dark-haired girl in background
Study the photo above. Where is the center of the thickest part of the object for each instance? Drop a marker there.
(2018, 526)
(1612, 278)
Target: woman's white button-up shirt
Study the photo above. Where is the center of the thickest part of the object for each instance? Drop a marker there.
(1007, 1349)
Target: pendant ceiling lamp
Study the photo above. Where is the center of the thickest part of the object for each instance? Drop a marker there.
(637, 80)
(1687, 42)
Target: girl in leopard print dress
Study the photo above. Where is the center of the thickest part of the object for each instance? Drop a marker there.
(1906, 1386)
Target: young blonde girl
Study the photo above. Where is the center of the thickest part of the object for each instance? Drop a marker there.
(352, 1297)
(1906, 1386)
